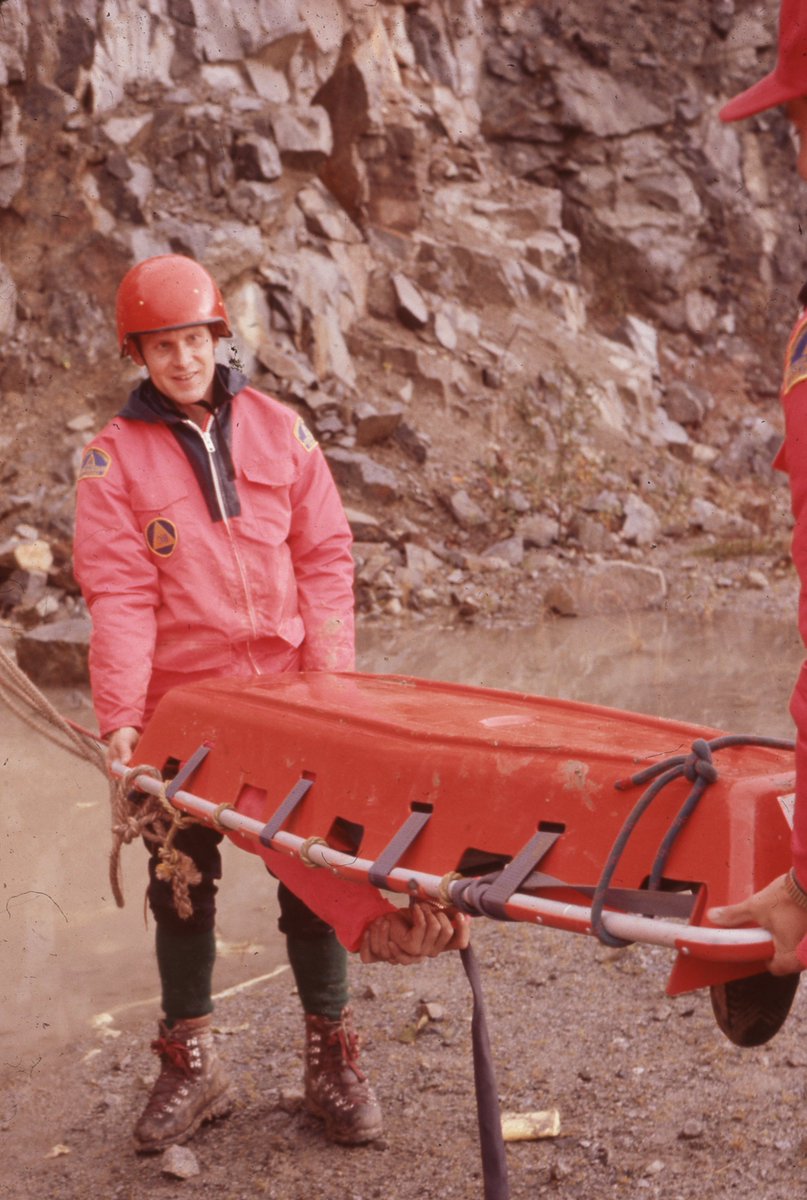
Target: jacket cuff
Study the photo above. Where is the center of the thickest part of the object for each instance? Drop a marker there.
(127, 721)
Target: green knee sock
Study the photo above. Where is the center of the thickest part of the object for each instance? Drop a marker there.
(319, 966)
(186, 973)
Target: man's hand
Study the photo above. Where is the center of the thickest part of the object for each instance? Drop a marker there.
(774, 910)
(414, 934)
(121, 745)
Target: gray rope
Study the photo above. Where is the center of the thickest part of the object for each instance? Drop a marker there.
(700, 770)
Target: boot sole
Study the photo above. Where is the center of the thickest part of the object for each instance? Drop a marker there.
(358, 1137)
(217, 1110)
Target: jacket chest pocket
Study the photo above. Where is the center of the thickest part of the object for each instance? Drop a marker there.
(265, 491)
(155, 495)
(159, 508)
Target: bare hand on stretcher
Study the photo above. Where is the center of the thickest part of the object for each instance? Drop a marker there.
(121, 744)
(772, 909)
(413, 934)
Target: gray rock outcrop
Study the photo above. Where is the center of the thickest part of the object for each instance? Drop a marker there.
(499, 260)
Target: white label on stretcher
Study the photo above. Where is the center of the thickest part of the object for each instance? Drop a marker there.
(788, 804)
(501, 722)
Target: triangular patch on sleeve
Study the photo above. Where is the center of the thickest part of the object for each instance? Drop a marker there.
(796, 356)
(94, 464)
(304, 435)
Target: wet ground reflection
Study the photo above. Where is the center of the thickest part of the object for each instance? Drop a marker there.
(733, 673)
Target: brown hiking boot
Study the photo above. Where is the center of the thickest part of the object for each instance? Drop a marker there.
(336, 1088)
(190, 1089)
(750, 1011)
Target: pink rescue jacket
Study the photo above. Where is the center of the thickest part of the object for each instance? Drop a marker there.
(792, 458)
(175, 587)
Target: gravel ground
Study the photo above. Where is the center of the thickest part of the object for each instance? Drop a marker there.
(653, 1100)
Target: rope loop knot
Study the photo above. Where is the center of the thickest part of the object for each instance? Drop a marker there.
(699, 764)
(128, 831)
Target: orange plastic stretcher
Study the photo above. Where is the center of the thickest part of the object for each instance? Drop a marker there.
(517, 807)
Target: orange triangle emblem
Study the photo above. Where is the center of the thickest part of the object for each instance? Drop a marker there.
(161, 536)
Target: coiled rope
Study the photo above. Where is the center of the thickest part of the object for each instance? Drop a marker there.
(153, 818)
(25, 700)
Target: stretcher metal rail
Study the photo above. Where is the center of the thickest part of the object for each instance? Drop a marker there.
(723, 945)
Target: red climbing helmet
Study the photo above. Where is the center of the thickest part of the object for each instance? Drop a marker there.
(788, 79)
(170, 291)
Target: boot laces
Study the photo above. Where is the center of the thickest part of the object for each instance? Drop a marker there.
(343, 1043)
(175, 1056)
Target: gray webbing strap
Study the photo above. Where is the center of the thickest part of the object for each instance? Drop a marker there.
(284, 811)
(186, 770)
(511, 877)
(491, 1142)
(647, 901)
(397, 847)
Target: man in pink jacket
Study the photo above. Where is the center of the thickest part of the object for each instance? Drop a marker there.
(211, 541)
(761, 1003)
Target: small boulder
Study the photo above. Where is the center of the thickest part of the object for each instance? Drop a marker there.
(256, 158)
(610, 587)
(511, 551)
(352, 469)
(363, 526)
(303, 135)
(180, 1163)
(373, 426)
(56, 654)
(538, 530)
(465, 511)
(705, 515)
(686, 404)
(642, 526)
(411, 308)
(411, 442)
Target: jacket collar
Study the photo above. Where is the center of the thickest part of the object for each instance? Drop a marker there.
(147, 403)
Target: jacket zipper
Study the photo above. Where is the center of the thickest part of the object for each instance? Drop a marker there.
(210, 447)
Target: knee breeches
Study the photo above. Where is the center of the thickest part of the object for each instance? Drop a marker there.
(202, 847)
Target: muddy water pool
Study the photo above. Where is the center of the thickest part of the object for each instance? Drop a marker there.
(69, 958)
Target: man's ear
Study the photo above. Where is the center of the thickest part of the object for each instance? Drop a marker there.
(134, 351)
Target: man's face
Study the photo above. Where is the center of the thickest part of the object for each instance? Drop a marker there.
(181, 363)
(797, 111)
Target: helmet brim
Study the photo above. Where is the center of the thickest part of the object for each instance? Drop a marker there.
(222, 330)
(766, 93)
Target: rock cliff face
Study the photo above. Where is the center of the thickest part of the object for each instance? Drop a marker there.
(526, 289)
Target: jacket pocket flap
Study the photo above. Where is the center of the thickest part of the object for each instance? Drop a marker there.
(271, 473)
(155, 494)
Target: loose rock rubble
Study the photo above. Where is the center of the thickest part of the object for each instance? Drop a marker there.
(525, 288)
